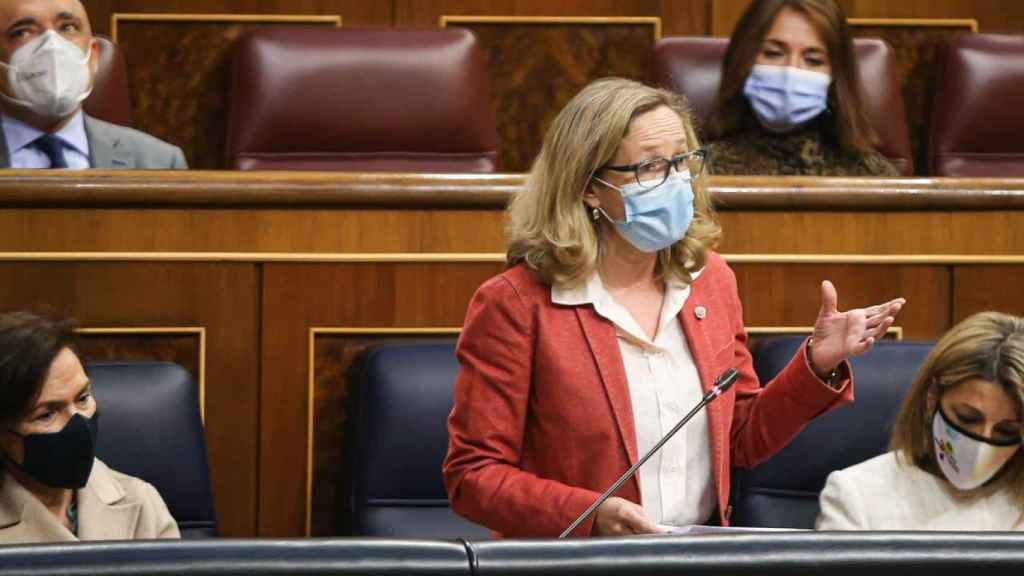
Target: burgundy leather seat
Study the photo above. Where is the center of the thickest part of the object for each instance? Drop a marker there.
(978, 111)
(110, 99)
(693, 66)
(311, 98)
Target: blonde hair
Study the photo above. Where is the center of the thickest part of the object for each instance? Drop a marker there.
(989, 346)
(548, 224)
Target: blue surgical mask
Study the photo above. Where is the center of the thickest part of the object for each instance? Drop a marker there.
(784, 97)
(655, 218)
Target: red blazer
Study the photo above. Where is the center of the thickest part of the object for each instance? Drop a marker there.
(542, 422)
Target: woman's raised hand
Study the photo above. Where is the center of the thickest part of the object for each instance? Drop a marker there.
(840, 335)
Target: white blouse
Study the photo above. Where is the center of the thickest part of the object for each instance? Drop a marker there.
(676, 484)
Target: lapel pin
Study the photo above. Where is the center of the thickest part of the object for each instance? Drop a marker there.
(700, 312)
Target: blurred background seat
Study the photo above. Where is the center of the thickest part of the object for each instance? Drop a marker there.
(692, 66)
(150, 427)
(310, 98)
(977, 114)
(782, 492)
(403, 397)
(110, 98)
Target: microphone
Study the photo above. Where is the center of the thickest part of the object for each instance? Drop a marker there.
(721, 385)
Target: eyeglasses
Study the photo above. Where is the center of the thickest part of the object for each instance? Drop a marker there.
(653, 173)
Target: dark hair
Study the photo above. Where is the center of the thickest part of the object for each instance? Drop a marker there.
(847, 127)
(28, 345)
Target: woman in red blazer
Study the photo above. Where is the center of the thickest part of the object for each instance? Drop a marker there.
(613, 313)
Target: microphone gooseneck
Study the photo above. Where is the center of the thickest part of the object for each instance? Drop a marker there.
(721, 385)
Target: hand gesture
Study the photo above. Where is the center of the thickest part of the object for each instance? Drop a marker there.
(840, 335)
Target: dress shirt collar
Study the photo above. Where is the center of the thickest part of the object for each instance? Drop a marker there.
(593, 292)
(19, 134)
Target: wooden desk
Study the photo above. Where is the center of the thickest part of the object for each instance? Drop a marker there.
(266, 285)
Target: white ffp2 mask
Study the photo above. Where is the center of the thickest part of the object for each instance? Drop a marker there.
(967, 460)
(49, 76)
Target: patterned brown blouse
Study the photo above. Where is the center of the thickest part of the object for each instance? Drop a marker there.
(800, 153)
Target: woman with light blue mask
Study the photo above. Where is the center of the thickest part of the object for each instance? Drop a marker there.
(789, 102)
(614, 318)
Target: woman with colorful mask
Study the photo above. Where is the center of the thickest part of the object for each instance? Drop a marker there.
(956, 462)
(52, 488)
(790, 101)
(614, 317)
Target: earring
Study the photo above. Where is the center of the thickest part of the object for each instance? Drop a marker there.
(595, 214)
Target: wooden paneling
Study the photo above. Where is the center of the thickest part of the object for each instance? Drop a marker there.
(297, 298)
(179, 74)
(303, 230)
(992, 15)
(223, 298)
(182, 349)
(260, 260)
(679, 17)
(872, 233)
(790, 294)
(354, 12)
(337, 214)
(981, 288)
(567, 55)
(725, 14)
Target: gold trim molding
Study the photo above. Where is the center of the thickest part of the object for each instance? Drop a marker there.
(484, 257)
(199, 331)
(445, 20)
(118, 17)
(916, 22)
(895, 331)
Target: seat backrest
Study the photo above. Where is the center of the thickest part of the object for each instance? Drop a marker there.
(150, 427)
(110, 99)
(402, 402)
(977, 115)
(314, 98)
(692, 66)
(782, 492)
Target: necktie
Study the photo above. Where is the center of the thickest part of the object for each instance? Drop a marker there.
(53, 148)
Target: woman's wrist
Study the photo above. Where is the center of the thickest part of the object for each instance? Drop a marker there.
(827, 374)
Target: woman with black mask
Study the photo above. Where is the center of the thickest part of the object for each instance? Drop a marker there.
(52, 488)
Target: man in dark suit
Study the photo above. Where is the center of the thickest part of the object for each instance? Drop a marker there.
(48, 62)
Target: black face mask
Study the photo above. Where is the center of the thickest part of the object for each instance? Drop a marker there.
(61, 459)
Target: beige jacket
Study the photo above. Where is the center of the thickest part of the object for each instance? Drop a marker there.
(883, 493)
(111, 506)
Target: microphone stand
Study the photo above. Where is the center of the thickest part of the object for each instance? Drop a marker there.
(721, 385)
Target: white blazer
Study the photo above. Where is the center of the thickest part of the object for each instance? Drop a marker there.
(884, 493)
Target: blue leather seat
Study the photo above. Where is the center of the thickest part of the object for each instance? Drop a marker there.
(402, 401)
(150, 427)
(782, 492)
